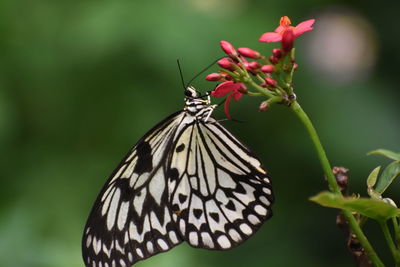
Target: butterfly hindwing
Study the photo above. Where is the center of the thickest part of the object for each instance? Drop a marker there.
(222, 194)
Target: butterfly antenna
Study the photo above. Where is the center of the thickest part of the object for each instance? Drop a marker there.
(180, 72)
(206, 68)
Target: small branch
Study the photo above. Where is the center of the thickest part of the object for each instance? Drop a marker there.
(389, 241)
(353, 244)
(396, 230)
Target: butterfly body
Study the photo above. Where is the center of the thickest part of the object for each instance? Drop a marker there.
(188, 179)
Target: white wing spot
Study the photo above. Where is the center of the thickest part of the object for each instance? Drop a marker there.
(88, 240)
(122, 215)
(106, 203)
(260, 210)
(173, 238)
(225, 180)
(96, 245)
(193, 238)
(265, 201)
(253, 219)
(139, 252)
(182, 226)
(139, 200)
(267, 191)
(235, 235)
(245, 229)
(224, 242)
(113, 209)
(157, 185)
(207, 240)
(150, 247)
(163, 245)
(122, 263)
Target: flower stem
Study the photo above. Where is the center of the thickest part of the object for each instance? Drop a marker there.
(396, 230)
(389, 241)
(333, 186)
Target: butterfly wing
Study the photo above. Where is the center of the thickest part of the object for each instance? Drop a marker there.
(130, 220)
(219, 193)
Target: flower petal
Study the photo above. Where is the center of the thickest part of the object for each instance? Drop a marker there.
(223, 88)
(236, 95)
(279, 29)
(226, 106)
(269, 37)
(303, 27)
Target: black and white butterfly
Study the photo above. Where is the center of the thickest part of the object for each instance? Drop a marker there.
(187, 179)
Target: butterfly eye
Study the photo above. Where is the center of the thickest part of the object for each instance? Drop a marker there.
(191, 92)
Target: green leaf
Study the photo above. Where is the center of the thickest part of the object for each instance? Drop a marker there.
(372, 208)
(391, 172)
(373, 176)
(386, 153)
(371, 181)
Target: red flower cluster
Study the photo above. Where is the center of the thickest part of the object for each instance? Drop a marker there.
(232, 84)
(286, 33)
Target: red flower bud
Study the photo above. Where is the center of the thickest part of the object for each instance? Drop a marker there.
(273, 60)
(267, 68)
(226, 63)
(213, 77)
(254, 65)
(276, 52)
(248, 52)
(228, 48)
(271, 82)
(263, 106)
(295, 66)
(288, 40)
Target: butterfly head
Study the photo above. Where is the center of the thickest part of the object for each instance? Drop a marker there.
(198, 105)
(191, 92)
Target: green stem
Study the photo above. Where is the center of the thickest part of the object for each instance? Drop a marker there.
(396, 230)
(389, 240)
(263, 91)
(334, 187)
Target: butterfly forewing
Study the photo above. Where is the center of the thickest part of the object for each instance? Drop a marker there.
(130, 220)
(188, 179)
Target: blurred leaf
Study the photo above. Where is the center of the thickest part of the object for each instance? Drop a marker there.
(371, 180)
(371, 208)
(391, 172)
(386, 153)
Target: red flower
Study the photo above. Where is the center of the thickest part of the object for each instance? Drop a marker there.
(228, 48)
(224, 88)
(276, 36)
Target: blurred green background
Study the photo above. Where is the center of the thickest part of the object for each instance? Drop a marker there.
(82, 81)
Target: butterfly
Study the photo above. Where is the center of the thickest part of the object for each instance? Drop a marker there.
(187, 179)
